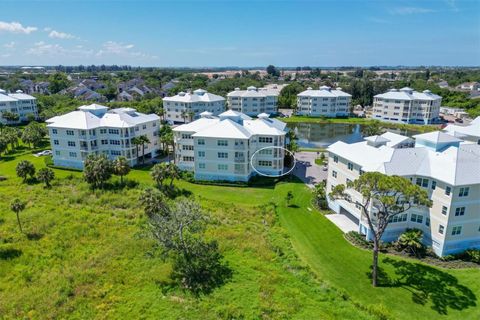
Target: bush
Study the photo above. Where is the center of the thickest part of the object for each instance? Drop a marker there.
(358, 240)
(472, 255)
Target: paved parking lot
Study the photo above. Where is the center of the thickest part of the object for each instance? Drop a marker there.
(307, 170)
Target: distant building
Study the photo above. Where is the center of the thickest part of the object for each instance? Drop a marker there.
(443, 84)
(445, 166)
(407, 106)
(254, 101)
(94, 129)
(18, 103)
(186, 107)
(221, 148)
(470, 86)
(325, 102)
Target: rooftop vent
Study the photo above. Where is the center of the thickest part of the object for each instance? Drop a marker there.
(324, 88)
(393, 90)
(181, 94)
(339, 88)
(252, 88)
(200, 92)
(19, 91)
(427, 91)
(237, 89)
(309, 88)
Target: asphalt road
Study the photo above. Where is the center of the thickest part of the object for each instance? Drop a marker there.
(307, 170)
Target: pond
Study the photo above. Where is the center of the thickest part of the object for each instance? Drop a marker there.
(320, 135)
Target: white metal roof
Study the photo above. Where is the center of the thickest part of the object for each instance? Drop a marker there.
(395, 139)
(408, 94)
(455, 165)
(437, 137)
(198, 95)
(324, 92)
(472, 130)
(196, 125)
(84, 119)
(224, 129)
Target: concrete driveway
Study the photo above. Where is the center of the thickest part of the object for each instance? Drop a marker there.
(307, 170)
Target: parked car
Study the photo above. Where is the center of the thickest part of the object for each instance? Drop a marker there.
(325, 168)
(44, 153)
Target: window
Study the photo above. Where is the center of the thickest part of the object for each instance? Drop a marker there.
(70, 133)
(441, 229)
(187, 147)
(444, 210)
(334, 174)
(416, 218)
(201, 165)
(115, 142)
(222, 155)
(72, 154)
(115, 152)
(398, 218)
(266, 151)
(264, 163)
(57, 153)
(265, 139)
(456, 230)
(222, 143)
(422, 182)
(55, 142)
(460, 211)
(434, 184)
(350, 166)
(188, 159)
(201, 142)
(448, 190)
(103, 131)
(104, 141)
(201, 154)
(186, 136)
(71, 143)
(54, 131)
(427, 222)
(113, 131)
(144, 126)
(222, 167)
(463, 192)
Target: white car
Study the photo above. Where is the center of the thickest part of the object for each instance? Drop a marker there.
(44, 153)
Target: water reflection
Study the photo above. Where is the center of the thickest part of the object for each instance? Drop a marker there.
(315, 135)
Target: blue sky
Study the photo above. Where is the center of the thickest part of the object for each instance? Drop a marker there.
(240, 33)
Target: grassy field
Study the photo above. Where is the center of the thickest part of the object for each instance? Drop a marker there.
(88, 255)
(412, 127)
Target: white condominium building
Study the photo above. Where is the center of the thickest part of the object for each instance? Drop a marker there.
(19, 103)
(186, 107)
(94, 129)
(407, 106)
(325, 102)
(447, 167)
(254, 101)
(224, 148)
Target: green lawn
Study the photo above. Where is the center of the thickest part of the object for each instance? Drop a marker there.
(87, 255)
(428, 293)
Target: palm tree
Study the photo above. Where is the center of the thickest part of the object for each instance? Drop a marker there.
(159, 173)
(144, 139)
(173, 172)
(18, 206)
(46, 175)
(412, 241)
(24, 169)
(184, 115)
(191, 114)
(136, 141)
(121, 167)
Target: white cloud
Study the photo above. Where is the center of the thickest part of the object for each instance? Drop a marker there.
(16, 27)
(122, 50)
(60, 35)
(46, 29)
(42, 48)
(10, 45)
(410, 10)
